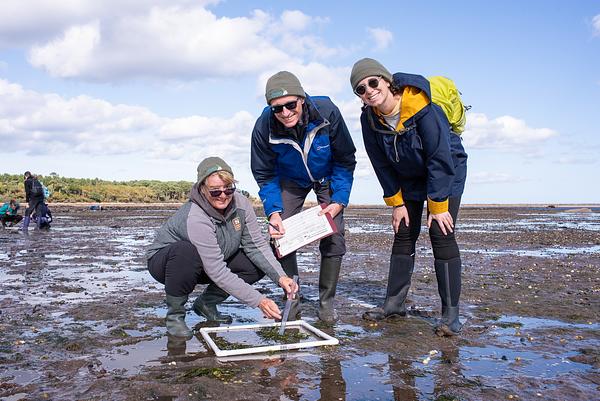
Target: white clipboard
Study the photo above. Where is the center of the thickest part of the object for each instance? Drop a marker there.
(303, 228)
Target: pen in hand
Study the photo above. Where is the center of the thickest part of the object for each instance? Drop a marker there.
(274, 227)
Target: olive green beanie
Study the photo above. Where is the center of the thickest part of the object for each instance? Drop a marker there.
(283, 83)
(211, 165)
(367, 67)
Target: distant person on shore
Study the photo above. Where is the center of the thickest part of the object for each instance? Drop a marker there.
(34, 196)
(213, 239)
(416, 158)
(301, 143)
(9, 213)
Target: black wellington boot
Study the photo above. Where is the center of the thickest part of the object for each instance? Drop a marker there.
(401, 270)
(328, 279)
(289, 264)
(175, 320)
(449, 284)
(206, 304)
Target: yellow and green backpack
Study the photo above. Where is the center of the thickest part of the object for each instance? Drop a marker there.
(445, 94)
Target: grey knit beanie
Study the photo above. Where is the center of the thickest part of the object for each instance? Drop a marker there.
(283, 83)
(212, 165)
(367, 67)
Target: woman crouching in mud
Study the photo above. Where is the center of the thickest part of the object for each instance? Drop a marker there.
(416, 158)
(213, 239)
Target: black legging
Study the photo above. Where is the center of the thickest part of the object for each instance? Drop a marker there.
(35, 205)
(444, 246)
(179, 267)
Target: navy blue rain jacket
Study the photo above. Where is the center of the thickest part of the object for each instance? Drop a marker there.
(423, 159)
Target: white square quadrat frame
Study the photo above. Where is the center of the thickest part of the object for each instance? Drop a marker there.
(326, 339)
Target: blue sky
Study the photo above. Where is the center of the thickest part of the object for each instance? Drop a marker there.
(145, 89)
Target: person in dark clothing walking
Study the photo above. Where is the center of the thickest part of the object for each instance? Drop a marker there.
(416, 158)
(34, 196)
(301, 143)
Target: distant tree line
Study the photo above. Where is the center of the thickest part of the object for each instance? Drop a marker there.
(63, 189)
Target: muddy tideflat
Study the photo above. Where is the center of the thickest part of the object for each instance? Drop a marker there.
(81, 319)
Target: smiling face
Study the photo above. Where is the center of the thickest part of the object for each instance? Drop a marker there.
(214, 182)
(378, 96)
(287, 117)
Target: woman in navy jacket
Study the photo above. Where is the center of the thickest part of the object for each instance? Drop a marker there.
(416, 158)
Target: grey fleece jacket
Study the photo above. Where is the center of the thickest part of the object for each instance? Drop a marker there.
(219, 236)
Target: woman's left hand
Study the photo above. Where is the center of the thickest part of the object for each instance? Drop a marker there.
(333, 209)
(444, 220)
(269, 309)
(289, 286)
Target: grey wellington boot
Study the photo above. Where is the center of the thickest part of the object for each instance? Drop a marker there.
(175, 320)
(399, 277)
(206, 304)
(449, 285)
(328, 279)
(289, 264)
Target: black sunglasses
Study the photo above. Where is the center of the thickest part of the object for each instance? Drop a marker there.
(289, 105)
(215, 193)
(362, 89)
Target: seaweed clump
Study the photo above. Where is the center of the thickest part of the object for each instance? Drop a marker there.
(289, 336)
(215, 373)
(223, 344)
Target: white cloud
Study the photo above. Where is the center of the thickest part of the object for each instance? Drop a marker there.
(504, 132)
(67, 56)
(25, 22)
(295, 20)
(316, 78)
(364, 168)
(51, 124)
(382, 37)
(596, 25)
(579, 159)
(486, 177)
(180, 40)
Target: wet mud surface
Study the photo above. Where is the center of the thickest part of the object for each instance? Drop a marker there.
(81, 319)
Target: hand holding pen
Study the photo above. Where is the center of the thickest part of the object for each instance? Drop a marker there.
(276, 229)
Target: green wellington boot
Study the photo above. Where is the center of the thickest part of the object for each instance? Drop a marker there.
(206, 304)
(175, 320)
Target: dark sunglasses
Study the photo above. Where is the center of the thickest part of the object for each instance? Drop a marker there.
(215, 193)
(362, 89)
(289, 105)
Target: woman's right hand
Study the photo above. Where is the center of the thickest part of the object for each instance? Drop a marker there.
(269, 309)
(275, 221)
(289, 286)
(398, 214)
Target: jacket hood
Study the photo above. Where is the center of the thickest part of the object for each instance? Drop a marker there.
(416, 96)
(198, 198)
(402, 79)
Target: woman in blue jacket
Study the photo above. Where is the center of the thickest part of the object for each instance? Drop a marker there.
(416, 158)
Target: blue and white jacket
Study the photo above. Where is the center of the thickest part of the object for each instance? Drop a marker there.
(325, 153)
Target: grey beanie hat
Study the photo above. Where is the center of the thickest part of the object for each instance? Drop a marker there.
(212, 165)
(367, 67)
(283, 83)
